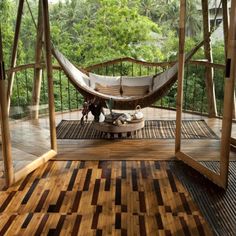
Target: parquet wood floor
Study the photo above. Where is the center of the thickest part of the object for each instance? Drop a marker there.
(100, 198)
(30, 139)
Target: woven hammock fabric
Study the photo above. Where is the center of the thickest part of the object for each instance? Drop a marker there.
(154, 129)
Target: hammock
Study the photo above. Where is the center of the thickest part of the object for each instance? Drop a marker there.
(126, 92)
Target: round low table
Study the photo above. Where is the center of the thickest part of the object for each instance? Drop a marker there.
(125, 128)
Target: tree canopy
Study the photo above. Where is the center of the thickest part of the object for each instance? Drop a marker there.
(92, 31)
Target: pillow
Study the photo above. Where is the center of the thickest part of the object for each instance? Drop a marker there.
(137, 81)
(137, 91)
(103, 80)
(109, 90)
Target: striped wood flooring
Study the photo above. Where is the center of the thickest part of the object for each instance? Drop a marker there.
(100, 198)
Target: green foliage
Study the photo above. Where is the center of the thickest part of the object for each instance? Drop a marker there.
(6, 7)
(113, 29)
(94, 31)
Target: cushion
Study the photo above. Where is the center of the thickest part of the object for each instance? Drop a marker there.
(103, 80)
(138, 91)
(109, 90)
(137, 81)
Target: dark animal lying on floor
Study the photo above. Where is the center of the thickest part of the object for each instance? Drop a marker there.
(95, 107)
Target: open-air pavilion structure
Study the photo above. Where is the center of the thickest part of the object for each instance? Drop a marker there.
(122, 186)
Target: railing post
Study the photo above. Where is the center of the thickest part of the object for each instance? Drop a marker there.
(212, 110)
(14, 52)
(37, 71)
(61, 97)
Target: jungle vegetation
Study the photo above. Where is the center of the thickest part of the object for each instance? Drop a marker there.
(94, 31)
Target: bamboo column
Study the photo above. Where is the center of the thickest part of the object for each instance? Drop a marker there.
(225, 12)
(230, 76)
(212, 110)
(14, 51)
(181, 61)
(6, 142)
(48, 55)
(37, 70)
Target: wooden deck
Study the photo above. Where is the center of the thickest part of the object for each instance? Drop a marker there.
(30, 139)
(145, 149)
(133, 192)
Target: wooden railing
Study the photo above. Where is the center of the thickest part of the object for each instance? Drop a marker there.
(195, 98)
(67, 98)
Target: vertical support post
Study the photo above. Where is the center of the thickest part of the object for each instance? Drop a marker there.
(230, 76)
(14, 51)
(225, 12)
(212, 110)
(6, 141)
(181, 61)
(37, 70)
(48, 55)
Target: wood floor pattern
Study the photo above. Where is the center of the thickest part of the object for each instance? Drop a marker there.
(100, 198)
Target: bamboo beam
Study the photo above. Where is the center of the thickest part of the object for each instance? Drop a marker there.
(181, 60)
(14, 51)
(48, 55)
(31, 66)
(57, 67)
(5, 131)
(208, 54)
(37, 70)
(212, 176)
(230, 76)
(34, 165)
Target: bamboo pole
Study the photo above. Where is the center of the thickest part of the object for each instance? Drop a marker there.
(225, 12)
(228, 97)
(181, 60)
(37, 70)
(211, 175)
(212, 110)
(48, 58)
(34, 165)
(14, 52)
(5, 131)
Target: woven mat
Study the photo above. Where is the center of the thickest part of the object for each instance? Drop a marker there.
(154, 129)
(217, 205)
